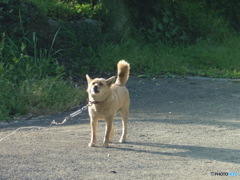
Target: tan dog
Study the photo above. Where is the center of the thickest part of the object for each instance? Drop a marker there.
(105, 100)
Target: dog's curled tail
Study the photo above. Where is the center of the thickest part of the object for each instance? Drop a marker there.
(123, 72)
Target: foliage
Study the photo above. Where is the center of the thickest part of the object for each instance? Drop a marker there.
(50, 95)
(184, 21)
(204, 58)
(78, 42)
(70, 10)
(31, 83)
(37, 97)
(17, 65)
(228, 9)
(8, 10)
(7, 99)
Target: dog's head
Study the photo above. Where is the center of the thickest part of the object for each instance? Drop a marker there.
(99, 88)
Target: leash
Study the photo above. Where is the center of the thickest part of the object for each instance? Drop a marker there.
(15, 131)
(84, 108)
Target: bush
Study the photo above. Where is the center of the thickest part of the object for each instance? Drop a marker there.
(49, 95)
(32, 83)
(37, 97)
(8, 98)
(70, 10)
(205, 58)
(17, 65)
(180, 22)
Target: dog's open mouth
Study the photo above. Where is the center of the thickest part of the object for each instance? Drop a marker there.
(95, 90)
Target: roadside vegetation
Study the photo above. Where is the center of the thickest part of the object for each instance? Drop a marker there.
(47, 47)
(211, 59)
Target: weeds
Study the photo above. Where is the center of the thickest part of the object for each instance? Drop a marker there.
(32, 83)
(7, 98)
(50, 96)
(203, 58)
(17, 65)
(37, 97)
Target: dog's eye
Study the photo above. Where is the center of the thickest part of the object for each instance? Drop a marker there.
(100, 84)
(93, 83)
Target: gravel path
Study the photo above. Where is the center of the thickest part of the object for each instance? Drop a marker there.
(178, 129)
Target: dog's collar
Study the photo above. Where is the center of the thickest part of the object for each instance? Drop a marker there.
(93, 102)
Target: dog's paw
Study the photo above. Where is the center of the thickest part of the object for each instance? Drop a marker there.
(91, 145)
(105, 145)
(122, 140)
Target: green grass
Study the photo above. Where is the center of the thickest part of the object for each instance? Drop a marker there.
(32, 84)
(38, 97)
(50, 96)
(202, 59)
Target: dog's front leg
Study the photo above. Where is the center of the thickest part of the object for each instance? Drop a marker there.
(94, 123)
(107, 132)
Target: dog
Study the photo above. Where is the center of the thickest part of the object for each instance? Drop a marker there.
(106, 98)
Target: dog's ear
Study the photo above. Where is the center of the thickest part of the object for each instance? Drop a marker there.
(88, 78)
(110, 81)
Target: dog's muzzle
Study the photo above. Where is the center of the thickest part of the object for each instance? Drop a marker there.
(95, 89)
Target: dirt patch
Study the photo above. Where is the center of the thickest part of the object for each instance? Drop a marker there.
(178, 129)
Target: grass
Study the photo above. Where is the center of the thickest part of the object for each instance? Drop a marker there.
(202, 59)
(50, 96)
(32, 84)
(37, 97)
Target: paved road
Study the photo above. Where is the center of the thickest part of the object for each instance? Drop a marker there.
(178, 129)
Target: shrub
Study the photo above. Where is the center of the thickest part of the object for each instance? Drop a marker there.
(17, 65)
(179, 22)
(33, 83)
(37, 97)
(8, 98)
(70, 10)
(50, 95)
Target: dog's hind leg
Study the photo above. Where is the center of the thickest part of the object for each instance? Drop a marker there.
(124, 113)
(111, 133)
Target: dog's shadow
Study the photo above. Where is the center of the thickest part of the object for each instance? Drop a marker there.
(195, 152)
